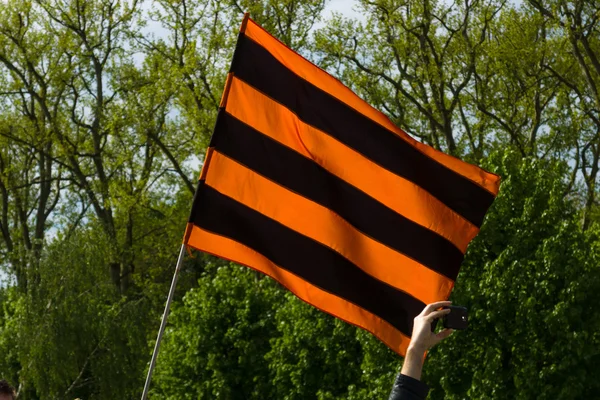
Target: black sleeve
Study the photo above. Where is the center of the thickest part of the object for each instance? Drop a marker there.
(407, 388)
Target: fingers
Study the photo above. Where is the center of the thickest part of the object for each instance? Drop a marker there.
(437, 314)
(434, 306)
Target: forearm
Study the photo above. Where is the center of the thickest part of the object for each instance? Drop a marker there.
(413, 362)
(408, 385)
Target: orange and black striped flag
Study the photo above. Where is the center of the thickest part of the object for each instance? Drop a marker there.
(307, 183)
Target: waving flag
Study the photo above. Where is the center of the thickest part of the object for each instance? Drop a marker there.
(307, 183)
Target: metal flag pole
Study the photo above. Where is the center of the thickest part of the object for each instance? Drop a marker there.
(163, 323)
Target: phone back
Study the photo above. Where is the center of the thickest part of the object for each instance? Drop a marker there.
(458, 318)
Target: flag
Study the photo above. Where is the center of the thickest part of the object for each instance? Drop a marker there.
(309, 184)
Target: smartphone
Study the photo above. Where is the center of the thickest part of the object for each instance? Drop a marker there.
(458, 318)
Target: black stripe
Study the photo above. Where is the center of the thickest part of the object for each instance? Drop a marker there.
(257, 67)
(302, 256)
(288, 168)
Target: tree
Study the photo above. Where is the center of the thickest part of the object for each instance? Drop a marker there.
(530, 280)
(192, 62)
(71, 335)
(102, 128)
(414, 60)
(312, 355)
(92, 142)
(513, 99)
(577, 66)
(66, 62)
(218, 339)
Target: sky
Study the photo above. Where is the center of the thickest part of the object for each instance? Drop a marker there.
(346, 7)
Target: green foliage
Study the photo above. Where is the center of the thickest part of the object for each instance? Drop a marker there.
(291, 21)
(218, 338)
(315, 356)
(9, 334)
(75, 319)
(102, 130)
(530, 280)
(239, 335)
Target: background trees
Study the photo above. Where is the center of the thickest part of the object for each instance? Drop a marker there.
(106, 108)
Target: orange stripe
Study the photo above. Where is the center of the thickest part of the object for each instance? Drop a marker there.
(292, 210)
(205, 163)
(244, 22)
(397, 193)
(338, 307)
(225, 94)
(321, 79)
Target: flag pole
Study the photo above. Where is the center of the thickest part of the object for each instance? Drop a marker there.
(163, 323)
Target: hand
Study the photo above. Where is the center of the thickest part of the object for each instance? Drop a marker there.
(422, 338)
